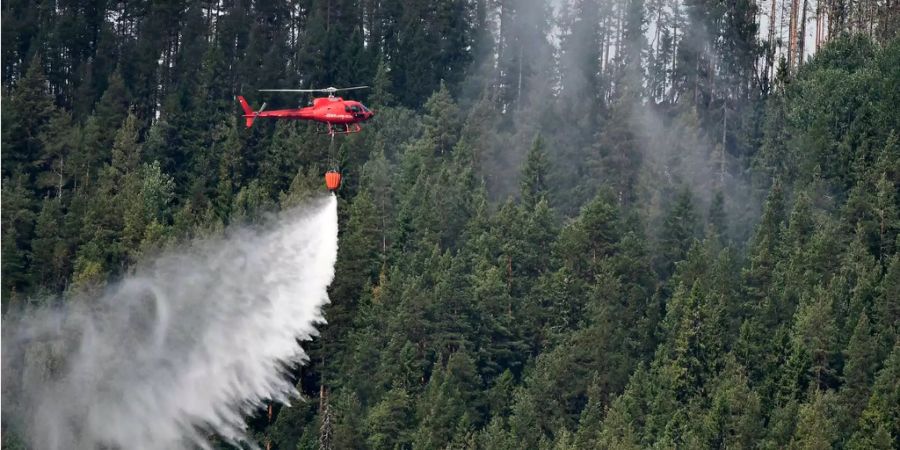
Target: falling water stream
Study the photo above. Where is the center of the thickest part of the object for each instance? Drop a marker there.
(185, 346)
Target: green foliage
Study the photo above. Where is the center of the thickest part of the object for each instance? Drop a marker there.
(388, 423)
(679, 229)
(534, 174)
(625, 243)
(815, 429)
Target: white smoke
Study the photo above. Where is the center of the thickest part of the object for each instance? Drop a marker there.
(186, 346)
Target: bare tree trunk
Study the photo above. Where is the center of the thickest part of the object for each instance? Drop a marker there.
(724, 134)
(802, 35)
(792, 35)
(620, 31)
(604, 50)
(654, 47)
(383, 226)
(674, 46)
(837, 16)
(873, 8)
(60, 187)
(326, 429)
(770, 57)
(509, 284)
(519, 85)
(818, 23)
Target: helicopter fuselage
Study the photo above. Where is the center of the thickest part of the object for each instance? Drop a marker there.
(328, 110)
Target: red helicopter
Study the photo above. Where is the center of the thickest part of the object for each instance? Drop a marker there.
(339, 116)
(334, 112)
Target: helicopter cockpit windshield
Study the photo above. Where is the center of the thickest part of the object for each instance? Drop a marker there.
(358, 110)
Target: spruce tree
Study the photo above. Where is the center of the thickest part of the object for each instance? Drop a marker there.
(534, 174)
(815, 429)
(389, 421)
(679, 230)
(859, 370)
(29, 113)
(50, 253)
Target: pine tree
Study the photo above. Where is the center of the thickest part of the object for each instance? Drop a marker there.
(859, 371)
(376, 179)
(60, 142)
(679, 229)
(147, 197)
(499, 397)
(126, 152)
(251, 203)
(886, 310)
(382, 86)
(229, 171)
(716, 219)
(18, 227)
(282, 156)
(595, 235)
(879, 422)
(442, 122)
(388, 422)
(764, 250)
(887, 217)
(694, 346)
(590, 421)
(815, 429)
(496, 436)
(872, 433)
(50, 253)
(534, 174)
(814, 338)
(625, 423)
(527, 422)
(447, 408)
(28, 116)
(348, 427)
(734, 419)
(527, 246)
(111, 111)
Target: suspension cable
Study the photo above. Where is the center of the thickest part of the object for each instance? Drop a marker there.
(332, 160)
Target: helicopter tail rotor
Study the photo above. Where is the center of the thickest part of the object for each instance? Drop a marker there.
(249, 114)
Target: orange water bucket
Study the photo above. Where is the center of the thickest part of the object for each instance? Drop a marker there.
(332, 180)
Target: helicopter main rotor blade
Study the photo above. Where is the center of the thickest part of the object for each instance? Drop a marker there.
(291, 90)
(328, 89)
(348, 89)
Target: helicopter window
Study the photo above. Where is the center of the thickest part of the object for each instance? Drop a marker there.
(354, 108)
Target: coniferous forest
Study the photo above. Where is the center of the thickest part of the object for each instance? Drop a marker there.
(571, 225)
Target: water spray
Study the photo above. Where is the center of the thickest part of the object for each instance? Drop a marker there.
(187, 346)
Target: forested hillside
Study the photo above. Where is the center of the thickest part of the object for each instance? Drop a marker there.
(587, 224)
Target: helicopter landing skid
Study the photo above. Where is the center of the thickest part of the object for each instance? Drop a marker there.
(345, 128)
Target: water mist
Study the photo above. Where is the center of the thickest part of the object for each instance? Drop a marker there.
(187, 345)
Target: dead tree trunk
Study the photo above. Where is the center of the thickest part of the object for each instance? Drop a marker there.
(771, 57)
(792, 35)
(801, 47)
